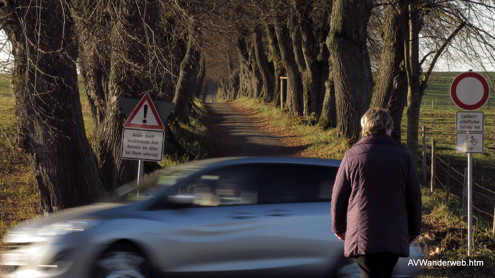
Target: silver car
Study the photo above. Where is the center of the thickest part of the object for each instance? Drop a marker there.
(212, 217)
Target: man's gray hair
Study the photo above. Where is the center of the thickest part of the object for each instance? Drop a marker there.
(376, 120)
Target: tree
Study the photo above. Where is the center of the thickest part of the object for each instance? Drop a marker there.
(417, 85)
(130, 48)
(432, 29)
(117, 53)
(276, 58)
(350, 63)
(48, 108)
(290, 64)
(188, 76)
(266, 69)
(313, 36)
(328, 115)
(390, 90)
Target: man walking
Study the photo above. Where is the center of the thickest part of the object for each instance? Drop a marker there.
(376, 200)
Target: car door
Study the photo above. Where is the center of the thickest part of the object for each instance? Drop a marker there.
(220, 232)
(296, 198)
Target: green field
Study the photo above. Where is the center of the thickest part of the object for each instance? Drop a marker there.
(439, 120)
(437, 94)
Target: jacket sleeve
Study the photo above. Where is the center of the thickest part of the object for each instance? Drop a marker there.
(413, 199)
(340, 198)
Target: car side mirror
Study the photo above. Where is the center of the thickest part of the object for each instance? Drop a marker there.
(182, 200)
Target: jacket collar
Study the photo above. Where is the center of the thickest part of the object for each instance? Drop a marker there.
(377, 139)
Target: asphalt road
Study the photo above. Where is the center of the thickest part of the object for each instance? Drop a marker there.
(231, 133)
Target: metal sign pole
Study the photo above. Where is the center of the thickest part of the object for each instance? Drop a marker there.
(470, 203)
(470, 91)
(140, 171)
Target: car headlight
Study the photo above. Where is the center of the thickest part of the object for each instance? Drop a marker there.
(62, 228)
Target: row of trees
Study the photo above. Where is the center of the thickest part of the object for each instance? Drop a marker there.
(123, 49)
(342, 56)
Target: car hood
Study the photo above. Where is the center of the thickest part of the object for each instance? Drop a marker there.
(84, 212)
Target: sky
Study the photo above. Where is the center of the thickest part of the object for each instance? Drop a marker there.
(443, 64)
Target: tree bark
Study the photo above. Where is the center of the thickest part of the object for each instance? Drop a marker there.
(294, 75)
(256, 76)
(94, 54)
(263, 65)
(200, 89)
(48, 108)
(188, 77)
(327, 105)
(391, 88)
(295, 34)
(350, 63)
(311, 48)
(411, 45)
(328, 117)
(276, 61)
(245, 74)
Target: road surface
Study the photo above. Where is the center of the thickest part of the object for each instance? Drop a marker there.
(231, 133)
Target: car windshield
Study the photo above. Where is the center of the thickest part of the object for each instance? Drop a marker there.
(151, 184)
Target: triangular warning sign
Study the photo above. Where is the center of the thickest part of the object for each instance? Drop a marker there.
(145, 116)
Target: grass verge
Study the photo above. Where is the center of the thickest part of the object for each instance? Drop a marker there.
(315, 141)
(19, 198)
(444, 237)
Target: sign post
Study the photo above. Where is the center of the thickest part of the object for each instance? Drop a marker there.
(469, 91)
(143, 136)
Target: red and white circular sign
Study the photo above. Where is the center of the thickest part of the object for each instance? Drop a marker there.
(469, 91)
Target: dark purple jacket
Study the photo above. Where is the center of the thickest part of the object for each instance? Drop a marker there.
(376, 199)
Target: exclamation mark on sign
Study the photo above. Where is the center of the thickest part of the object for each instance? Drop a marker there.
(145, 112)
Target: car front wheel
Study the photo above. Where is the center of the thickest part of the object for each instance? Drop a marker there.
(121, 261)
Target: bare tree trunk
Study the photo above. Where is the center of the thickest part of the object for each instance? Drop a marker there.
(256, 77)
(326, 104)
(294, 75)
(232, 81)
(245, 86)
(350, 63)
(94, 54)
(417, 87)
(328, 117)
(391, 86)
(411, 46)
(201, 78)
(263, 65)
(189, 70)
(295, 34)
(51, 127)
(313, 82)
(276, 60)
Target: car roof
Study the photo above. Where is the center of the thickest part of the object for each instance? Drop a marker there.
(231, 161)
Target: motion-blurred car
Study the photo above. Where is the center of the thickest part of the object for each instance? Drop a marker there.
(218, 216)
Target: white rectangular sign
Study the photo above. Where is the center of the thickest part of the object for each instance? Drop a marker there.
(142, 144)
(469, 121)
(469, 143)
